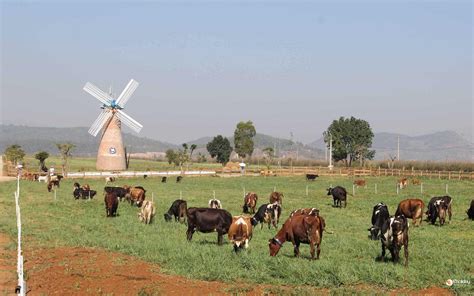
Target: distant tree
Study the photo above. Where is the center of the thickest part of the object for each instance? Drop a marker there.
(243, 138)
(268, 156)
(171, 156)
(201, 158)
(42, 156)
(65, 152)
(182, 156)
(191, 150)
(14, 153)
(220, 149)
(351, 140)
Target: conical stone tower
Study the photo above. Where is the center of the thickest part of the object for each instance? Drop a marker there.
(111, 154)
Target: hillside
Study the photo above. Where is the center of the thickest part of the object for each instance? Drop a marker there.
(436, 146)
(34, 139)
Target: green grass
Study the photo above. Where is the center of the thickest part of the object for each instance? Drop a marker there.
(347, 256)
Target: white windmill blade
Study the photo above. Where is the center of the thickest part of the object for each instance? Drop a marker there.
(101, 120)
(130, 122)
(127, 93)
(98, 93)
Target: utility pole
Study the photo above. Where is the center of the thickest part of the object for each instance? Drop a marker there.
(330, 152)
(398, 148)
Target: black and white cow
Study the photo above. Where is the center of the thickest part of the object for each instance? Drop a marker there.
(438, 207)
(394, 236)
(339, 194)
(215, 204)
(267, 213)
(379, 215)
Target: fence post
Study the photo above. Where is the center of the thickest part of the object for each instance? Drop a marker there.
(306, 190)
(353, 189)
(274, 188)
(375, 188)
(447, 189)
(398, 189)
(153, 197)
(244, 192)
(421, 188)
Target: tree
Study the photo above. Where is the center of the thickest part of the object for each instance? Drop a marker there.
(14, 153)
(243, 138)
(42, 156)
(171, 156)
(268, 156)
(220, 149)
(191, 150)
(351, 140)
(65, 151)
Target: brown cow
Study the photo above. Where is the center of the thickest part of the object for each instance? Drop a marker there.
(250, 202)
(135, 195)
(403, 183)
(147, 212)
(306, 211)
(411, 208)
(360, 183)
(240, 232)
(415, 181)
(276, 197)
(299, 229)
(111, 204)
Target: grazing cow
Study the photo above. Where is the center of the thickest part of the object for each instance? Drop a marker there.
(43, 179)
(145, 176)
(147, 212)
(178, 179)
(438, 207)
(339, 195)
(360, 183)
(415, 181)
(109, 180)
(208, 220)
(56, 178)
(178, 209)
(311, 177)
(52, 184)
(164, 179)
(250, 202)
(411, 208)
(215, 204)
(470, 211)
(305, 211)
(136, 195)
(276, 197)
(394, 236)
(84, 194)
(403, 183)
(111, 204)
(267, 213)
(240, 232)
(299, 229)
(379, 215)
(121, 192)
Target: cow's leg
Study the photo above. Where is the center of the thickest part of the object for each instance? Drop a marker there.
(405, 247)
(311, 249)
(318, 250)
(296, 247)
(383, 251)
(450, 213)
(190, 232)
(220, 237)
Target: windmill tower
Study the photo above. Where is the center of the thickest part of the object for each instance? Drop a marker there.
(111, 154)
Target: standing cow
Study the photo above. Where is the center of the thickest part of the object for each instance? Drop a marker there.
(379, 215)
(394, 236)
(178, 209)
(250, 202)
(215, 204)
(411, 208)
(111, 204)
(208, 220)
(240, 232)
(276, 197)
(339, 195)
(438, 207)
(267, 213)
(147, 212)
(470, 211)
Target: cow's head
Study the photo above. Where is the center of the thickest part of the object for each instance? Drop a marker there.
(141, 217)
(77, 193)
(374, 232)
(168, 217)
(441, 208)
(245, 208)
(329, 191)
(274, 245)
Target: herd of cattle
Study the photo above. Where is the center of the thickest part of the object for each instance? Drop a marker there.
(302, 226)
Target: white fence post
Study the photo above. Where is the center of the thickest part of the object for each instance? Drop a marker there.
(353, 189)
(421, 188)
(20, 289)
(375, 188)
(447, 189)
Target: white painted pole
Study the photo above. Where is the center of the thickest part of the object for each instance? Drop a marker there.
(421, 188)
(214, 194)
(244, 191)
(353, 189)
(180, 194)
(20, 289)
(274, 188)
(375, 188)
(54, 194)
(447, 189)
(153, 197)
(306, 190)
(398, 189)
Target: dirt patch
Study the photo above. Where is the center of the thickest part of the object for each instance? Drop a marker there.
(8, 279)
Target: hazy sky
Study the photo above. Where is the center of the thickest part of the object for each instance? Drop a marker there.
(404, 66)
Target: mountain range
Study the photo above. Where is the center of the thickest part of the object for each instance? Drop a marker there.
(439, 146)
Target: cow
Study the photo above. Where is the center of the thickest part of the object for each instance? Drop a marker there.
(240, 232)
(339, 195)
(109, 180)
(147, 212)
(394, 236)
(52, 184)
(111, 204)
(306, 229)
(360, 183)
(84, 194)
(438, 207)
(215, 204)
(267, 213)
(178, 209)
(305, 211)
(43, 179)
(208, 220)
(120, 192)
(178, 179)
(415, 181)
(136, 195)
(402, 183)
(379, 215)
(250, 202)
(276, 197)
(411, 208)
(311, 177)
(470, 211)
(164, 179)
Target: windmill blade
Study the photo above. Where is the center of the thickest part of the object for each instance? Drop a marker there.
(99, 123)
(127, 93)
(130, 122)
(96, 92)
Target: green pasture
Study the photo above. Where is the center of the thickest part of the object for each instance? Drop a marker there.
(347, 256)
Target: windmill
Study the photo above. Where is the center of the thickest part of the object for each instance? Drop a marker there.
(111, 154)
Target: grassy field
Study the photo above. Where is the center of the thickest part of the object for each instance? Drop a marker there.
(347, 256)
